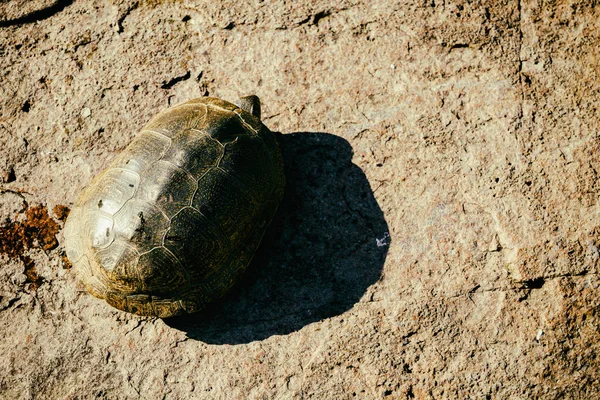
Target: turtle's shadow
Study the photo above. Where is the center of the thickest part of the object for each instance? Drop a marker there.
(325, 247)
(37, 15)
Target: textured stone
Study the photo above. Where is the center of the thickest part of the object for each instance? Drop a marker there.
(440, 232)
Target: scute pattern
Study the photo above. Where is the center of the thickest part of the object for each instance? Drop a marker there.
(229, 211)
(141, 224)
(194, 150)
(160, 270)
(205, 248)
(147, 148)
(99, 228)
(113, 189)
(169, 187)
(118, 265)
(177, 217)
(182, 118)
(225, 128)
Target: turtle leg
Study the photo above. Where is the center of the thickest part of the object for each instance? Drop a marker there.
(250, 104)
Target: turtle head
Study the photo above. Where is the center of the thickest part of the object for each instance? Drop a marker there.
(250, 104)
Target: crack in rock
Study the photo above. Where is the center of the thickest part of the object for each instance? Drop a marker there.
(174, 81)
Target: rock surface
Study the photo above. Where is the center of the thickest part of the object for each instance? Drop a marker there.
(440, 232)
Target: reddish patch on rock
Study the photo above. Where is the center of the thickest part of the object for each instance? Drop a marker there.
(30, 272)
(65, 261)
(40, 227)
(61, 212)
(36, 230)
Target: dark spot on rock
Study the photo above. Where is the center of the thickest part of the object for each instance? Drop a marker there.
(131, 185)
(319, 16)
(26, 106)
(9, 175)
(100, 203)
(528, 183)
(186, 18)
(535, 283)
(120, 21)
(172, 82)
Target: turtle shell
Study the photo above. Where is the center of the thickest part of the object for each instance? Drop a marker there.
(174, 221)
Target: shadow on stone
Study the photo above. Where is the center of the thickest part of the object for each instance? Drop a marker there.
(325, 247)
(38, 15)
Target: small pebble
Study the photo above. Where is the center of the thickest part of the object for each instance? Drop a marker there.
(86, 112)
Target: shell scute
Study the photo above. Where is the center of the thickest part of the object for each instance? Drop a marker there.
(142, 224)
(145, 149)
(113, 188)
(177, 119)
(168, 187)
(228, 209)
(197, 241)
(194, 150)
(117, 267)
(160, 270)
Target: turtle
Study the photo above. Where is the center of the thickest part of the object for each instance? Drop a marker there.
(175, 219)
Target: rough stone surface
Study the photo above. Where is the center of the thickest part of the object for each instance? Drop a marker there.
(440, 232)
